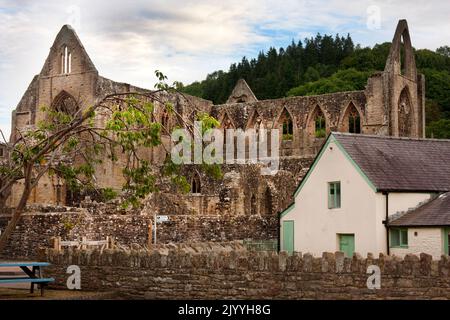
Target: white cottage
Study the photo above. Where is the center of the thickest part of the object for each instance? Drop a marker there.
(374, 194)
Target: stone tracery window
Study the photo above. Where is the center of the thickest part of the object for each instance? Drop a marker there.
(65, 103)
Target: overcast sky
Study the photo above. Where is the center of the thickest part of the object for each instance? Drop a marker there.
(128, 40)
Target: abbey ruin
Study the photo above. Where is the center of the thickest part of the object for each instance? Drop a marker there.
(393, 103)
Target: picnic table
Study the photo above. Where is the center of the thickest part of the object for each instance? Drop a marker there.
(32, 273)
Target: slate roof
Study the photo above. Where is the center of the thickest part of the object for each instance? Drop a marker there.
(433, 213)
(400, 164)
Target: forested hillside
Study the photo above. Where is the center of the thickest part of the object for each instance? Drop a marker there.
(326, 64)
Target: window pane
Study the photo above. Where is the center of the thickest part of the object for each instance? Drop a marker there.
(334, 195)
(338, 195)
(404, 237)
(330, 195)
(395, 237)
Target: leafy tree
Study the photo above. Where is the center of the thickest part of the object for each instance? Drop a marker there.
(274, 72)
(439, 129)
(343, 80)
(71, 145)
(444, 50)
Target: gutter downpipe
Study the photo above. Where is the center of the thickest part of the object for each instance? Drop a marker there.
(386, 222)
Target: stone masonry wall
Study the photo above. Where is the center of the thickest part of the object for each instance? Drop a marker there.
(36, 229)
(181, 273)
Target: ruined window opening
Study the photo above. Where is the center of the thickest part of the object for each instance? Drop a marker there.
(287, 126)
(195, 185)
(66, 61)
(253, 205)
(65, 103)
(2, 153)
(402, 56)
(354, 120)
(320, 124)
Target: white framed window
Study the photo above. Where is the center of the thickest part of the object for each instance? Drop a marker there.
(334, 195)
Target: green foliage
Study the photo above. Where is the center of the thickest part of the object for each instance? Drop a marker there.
(274, 72)
(108, 194)
(321, 133)
(439, 129)
(343, 80)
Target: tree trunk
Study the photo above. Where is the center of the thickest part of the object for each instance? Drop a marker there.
(15, 217)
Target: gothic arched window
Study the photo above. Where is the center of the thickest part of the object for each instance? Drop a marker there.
(320, 129)
(287, 125)
(353, 119)
(65, 103)
(196, 185)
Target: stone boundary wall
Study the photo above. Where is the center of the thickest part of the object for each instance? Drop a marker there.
(183, 273)
(36, 230)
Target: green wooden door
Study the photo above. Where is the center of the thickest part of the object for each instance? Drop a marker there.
(288, 236)
(347, 244)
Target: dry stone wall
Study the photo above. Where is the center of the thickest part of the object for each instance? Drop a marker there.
(184, 273)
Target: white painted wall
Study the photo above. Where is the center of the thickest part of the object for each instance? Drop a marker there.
(401, 202)
(316, 227)
(428, 240)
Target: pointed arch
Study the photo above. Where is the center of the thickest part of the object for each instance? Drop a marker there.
(286, 124)
(253, 205)
(401, 44)
(351, 119)
(255, 121)
(317, 124)
(405, 113)
(226, 122)
(66, 103)
(196, 186)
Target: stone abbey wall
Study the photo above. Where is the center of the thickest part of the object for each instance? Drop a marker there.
(37, 229)
(184, 272)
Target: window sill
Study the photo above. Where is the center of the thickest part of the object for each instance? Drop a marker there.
(399, 247)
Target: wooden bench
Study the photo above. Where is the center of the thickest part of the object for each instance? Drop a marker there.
(34, 276)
